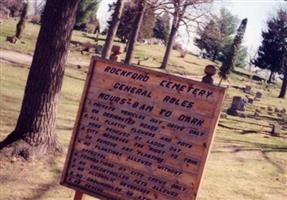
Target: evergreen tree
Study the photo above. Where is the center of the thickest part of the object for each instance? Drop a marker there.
(87, 10)
(162, 27)
(215, 39)
(146, 28)
(229, 63)
(241, 58)
(210, 40)
(127, 22)
(272, 52)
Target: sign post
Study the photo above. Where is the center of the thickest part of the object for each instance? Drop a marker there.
(79, 196)
(141, 134)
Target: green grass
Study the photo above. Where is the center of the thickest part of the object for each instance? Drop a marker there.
(245, 163)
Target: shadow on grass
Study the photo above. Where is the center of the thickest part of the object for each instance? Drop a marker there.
(262, 148)
(247, 122)
(246, 75)
(44, 188)
(74, 77)
(244, 145)
(192, 63)
(279, 168)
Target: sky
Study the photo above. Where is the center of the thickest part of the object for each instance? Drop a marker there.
(257, 12)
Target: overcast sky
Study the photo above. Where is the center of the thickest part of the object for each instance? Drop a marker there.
(257, 12)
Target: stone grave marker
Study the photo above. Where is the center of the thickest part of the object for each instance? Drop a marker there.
(236, 105)
(258, 96)
(275, 130)
(247, 89)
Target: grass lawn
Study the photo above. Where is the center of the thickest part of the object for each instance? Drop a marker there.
(246, 163)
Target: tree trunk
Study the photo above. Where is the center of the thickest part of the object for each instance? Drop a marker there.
(134, 35)
(35, 133)
(169, 44)
(270, 77)
(21, 24)
(113, 29)
(214, 55)
(284, 83)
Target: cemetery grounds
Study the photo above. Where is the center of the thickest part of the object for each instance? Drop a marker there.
(245, 163)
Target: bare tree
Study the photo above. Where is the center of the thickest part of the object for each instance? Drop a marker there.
(184, 12)
(35, 131)
(141, 6)
(113, 28)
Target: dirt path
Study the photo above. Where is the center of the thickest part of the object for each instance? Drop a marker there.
(16, 57)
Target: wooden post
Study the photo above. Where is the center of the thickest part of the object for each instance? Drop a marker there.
(79, 196)
(209, 71)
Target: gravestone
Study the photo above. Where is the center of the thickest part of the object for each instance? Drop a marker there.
(250, 100)
(270, 109)
(87, 47)
(279, 115)
(116, 51)
(99, 49)
(275, 130)
(236, 105)
(257, 114)
(258, 95)
(141, 134)
(247, 89)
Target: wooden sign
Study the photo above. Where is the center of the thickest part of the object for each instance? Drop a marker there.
(141, 134)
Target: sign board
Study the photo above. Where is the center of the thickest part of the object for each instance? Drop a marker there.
(141, 134)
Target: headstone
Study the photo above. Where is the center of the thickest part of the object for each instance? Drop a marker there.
(270, 109)
(256, 113)
(257, 78)
(99, 49)
(279, 115)
(258, 95)
(116, 51)
(277, 110)
(236, 105)
(257, 110)
(247, 89)
(275, 130)
(11, 39)
(250, 100)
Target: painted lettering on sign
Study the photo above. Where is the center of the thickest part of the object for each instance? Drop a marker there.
(141, 134)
